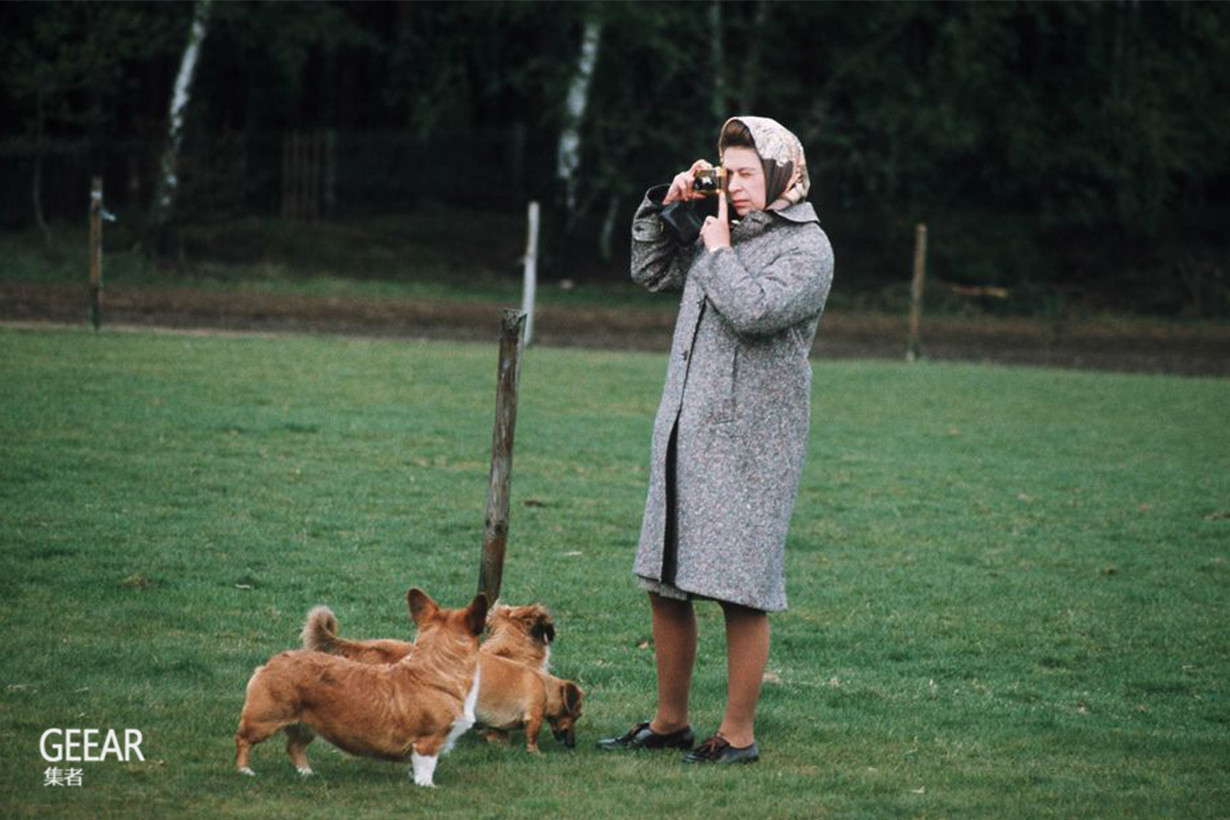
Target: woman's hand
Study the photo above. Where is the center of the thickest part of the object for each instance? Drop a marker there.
(681, 185)
(716, 230)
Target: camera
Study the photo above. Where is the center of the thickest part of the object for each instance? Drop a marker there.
(709, 181)
(683, 220)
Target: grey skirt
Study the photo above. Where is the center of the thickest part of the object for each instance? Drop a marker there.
(665, 587)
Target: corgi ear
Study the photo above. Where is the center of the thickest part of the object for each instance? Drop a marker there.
(476, 614)
(495, 611)
(421, 605)
(571, 695)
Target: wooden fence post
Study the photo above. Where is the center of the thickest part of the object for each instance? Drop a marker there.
(96, 217)
(495, 532)
(913, 351)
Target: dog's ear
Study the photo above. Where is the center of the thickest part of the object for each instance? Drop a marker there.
(571, 695)
(496, 611)
(421, 605)
(476, 614)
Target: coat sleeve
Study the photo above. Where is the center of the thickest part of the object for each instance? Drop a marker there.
(658, 261)
(792, 287)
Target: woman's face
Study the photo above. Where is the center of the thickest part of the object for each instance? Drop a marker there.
(745, 180)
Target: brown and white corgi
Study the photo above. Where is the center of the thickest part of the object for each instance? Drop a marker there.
(415, 708)
(520, 633)
(516, 692)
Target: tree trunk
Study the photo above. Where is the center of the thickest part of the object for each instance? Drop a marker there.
(569, 154)
(163, 207)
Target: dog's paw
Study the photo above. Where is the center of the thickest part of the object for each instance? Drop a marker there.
(247, 772)
(306, 771)
(424, 766)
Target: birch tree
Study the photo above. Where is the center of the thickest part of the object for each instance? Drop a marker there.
(569, 154)
(168, 177)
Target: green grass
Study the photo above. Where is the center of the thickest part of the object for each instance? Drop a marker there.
(1009, 587)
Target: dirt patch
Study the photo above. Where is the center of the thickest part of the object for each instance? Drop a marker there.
(1122, 345)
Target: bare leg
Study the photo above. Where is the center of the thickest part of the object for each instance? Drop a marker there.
(747, 652)
(674, 639)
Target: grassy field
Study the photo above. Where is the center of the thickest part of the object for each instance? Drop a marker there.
(1009, 587)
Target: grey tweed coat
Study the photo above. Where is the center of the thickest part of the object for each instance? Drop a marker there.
(737, 399)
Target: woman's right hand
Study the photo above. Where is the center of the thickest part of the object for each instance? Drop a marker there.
(681, 185)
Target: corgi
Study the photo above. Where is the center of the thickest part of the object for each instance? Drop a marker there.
(513, 695)
(519, 633)
(415, 708)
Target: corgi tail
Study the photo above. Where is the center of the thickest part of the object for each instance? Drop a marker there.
(320, 631)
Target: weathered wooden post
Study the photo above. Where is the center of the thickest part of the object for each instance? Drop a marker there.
(916, 291)
(495, 532)
(96, 218)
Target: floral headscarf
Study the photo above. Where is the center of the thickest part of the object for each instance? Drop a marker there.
(785, 167)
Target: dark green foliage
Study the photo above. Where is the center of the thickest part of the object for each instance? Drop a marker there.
(1065, 148)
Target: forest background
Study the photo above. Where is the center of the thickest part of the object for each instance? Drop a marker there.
(1062, 154)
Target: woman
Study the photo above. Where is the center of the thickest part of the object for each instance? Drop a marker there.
(731, 430)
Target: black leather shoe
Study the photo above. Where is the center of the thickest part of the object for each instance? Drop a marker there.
(717, 749)
(641, 736)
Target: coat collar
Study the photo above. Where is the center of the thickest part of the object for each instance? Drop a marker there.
(800, 213)
(757, 222)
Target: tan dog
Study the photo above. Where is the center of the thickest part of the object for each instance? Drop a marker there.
(414, 708)
(519, 633)
(513, 695)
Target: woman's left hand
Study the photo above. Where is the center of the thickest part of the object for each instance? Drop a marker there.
(716, 230)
